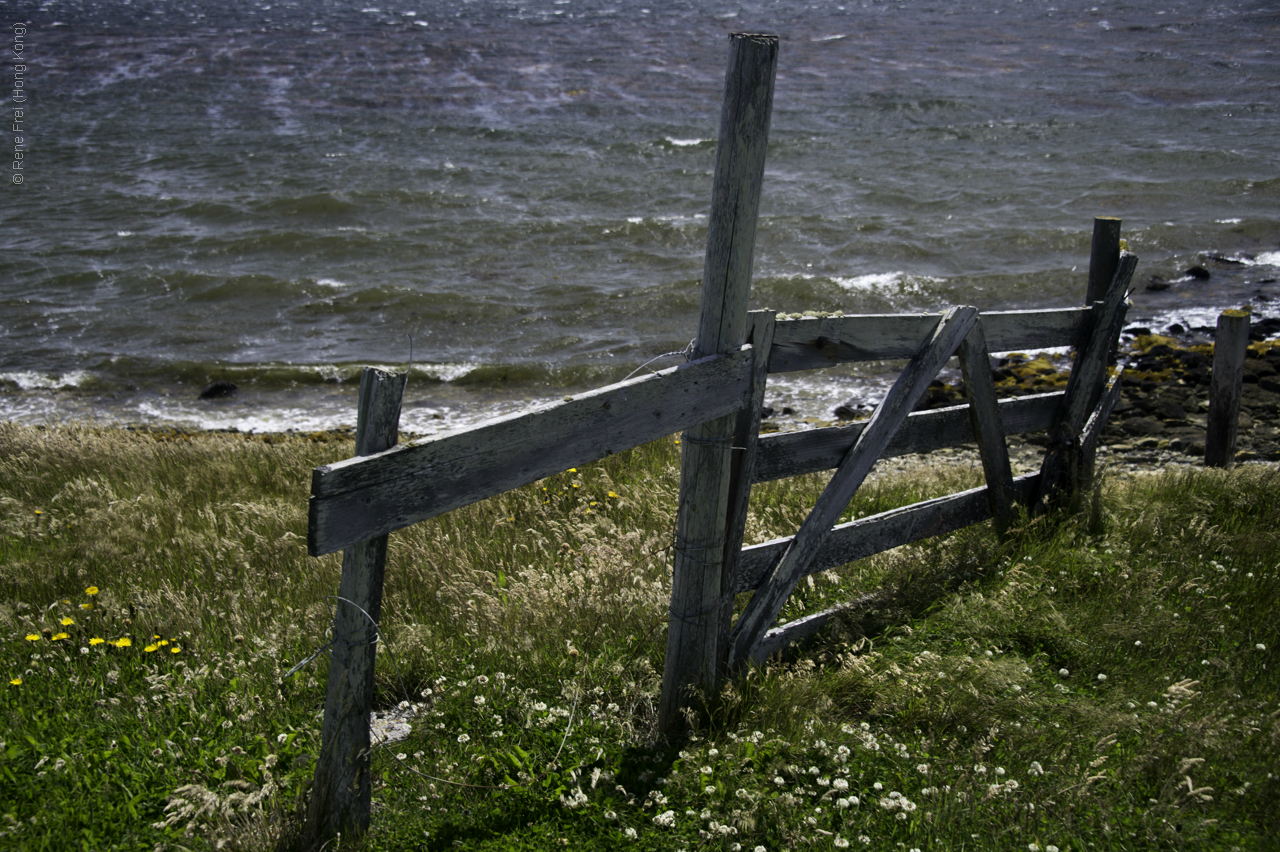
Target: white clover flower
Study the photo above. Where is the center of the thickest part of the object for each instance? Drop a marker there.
(779, 780)
(840, 842)
(1101, 676)
(666, 819)
(1036, 768)
(715, 752)
(281, 739)
(1064, 672)
(842, 803)
(479, 700)
(463, 739)
(840, 784)
(709, 790)
(706, 770)
(742, 794)
(1260, 647)
(901, 816)
(864, 840)
(759, 849)
(629, 833)
(1051, 848)
(999, 770)
(877, 786)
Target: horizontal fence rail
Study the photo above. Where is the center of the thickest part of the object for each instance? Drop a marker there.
(794, 453)
(362, 498)
(812, 343)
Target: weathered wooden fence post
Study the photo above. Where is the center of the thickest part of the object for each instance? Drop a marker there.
(1104, 258)
(697, 589)
(1230, 346)
(341, 791)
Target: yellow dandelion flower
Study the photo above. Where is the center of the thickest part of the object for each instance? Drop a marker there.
(39, 512)
(92, 590)
(17, 681)
(96, 641)
(59, 636)
(86, 606)
(151, 648)
(613, 494)
(33, 637)
(123, 642)
(175, 650)
(573, 470)
(67, 621)
(162, 642)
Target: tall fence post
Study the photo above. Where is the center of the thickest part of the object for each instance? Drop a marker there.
(1230, 346)
(1104, 257)
(341, 792)
(693, 652)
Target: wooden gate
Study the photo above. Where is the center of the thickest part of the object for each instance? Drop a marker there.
(717, 397)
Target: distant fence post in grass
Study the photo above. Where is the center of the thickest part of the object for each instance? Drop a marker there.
(341, 792)
(698, 590)
(1230, 346)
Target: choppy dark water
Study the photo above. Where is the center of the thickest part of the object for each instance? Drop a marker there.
(278, 193)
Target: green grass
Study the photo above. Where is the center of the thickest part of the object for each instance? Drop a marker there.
(1094, 681)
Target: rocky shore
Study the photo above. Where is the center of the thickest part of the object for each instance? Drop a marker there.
(1161, 416)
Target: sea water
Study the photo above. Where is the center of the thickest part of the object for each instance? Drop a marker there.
(512, 197)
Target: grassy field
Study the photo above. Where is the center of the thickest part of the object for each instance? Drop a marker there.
(1096, 681)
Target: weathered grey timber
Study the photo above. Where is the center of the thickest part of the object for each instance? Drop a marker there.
(697, 594)
(1104, 257)
(984, 415)
(1093, 427)
(1230, 346)
(341, 791)
(746, 440)
(796, 453)
(814, 343)
(361, 498)
(1063, 463)
(768, 601)
(874, 534)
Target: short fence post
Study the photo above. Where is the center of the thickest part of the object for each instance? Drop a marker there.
(693, 652)
(341, 791)
(1230, 346)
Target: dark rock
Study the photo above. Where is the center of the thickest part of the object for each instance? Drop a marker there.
(1143, 426)
(1177, 328)
(1199, 273)
(1137, 330)
(766, 412)
(219, 390)
(1157, 283)
(1170, 410)
(1269, 383)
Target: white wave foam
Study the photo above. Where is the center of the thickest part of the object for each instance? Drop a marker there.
(874, 281)
(685, 143)
(332, 282)
(445, 372)
(1228, 221)
(835, 37)
(1268, 258)
(31, 380)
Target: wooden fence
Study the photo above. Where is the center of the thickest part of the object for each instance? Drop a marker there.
(717, 397)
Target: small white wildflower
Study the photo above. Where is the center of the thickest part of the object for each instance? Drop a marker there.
(759, 849)
(1260, 647)
(877, 786)
(779, 781)
(840, 784)
(281, 739)
(999, 770)
(1101, 676)
(840, 842)
(629, 833)
(709, 790)
(463, 739)
(922, 768)
(666, 819)
(1036, 768)
(842, 803)
(706, 770)
(401, 756)
(1064, 672)
(864, 840)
